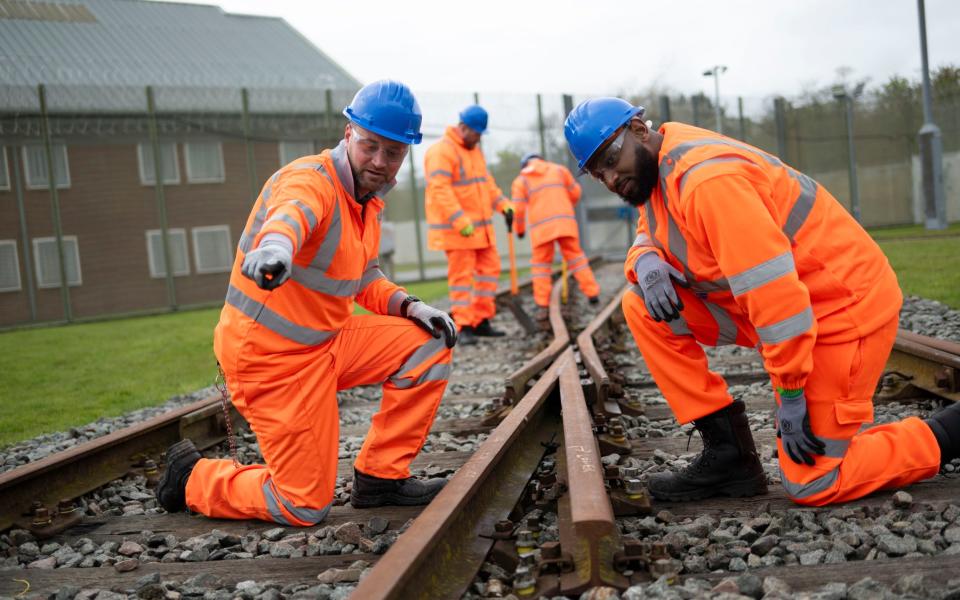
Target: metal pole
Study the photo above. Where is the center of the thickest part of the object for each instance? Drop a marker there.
(696, 109)
(161, 199)
(664, 109)
(780, 119)
(583, 215)
(328, 96)
(415, 195)
(716, 98)
(743, 124)
(541, 128)
(852, 156)
(54, 201)
(931, 143)
(248, 142)
(27, 254)
(476, 98)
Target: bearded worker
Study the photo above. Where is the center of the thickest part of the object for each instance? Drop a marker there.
(735, 247)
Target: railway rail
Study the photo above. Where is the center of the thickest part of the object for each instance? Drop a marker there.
(549, 503)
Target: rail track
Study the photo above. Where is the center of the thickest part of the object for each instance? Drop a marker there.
(545, 499)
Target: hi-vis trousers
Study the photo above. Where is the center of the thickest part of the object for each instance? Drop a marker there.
(296, 419)
(541, 267)
(472, 277)
(839, 395)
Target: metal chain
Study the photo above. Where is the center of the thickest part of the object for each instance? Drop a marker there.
(221, 385)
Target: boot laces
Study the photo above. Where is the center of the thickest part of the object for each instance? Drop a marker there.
(703, 460)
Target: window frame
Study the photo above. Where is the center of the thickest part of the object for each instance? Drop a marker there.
(280, 146)
(190, 176)
(155, 274)
(196, 248)
(46, 185)
(36, 260)
(6, 171)
(140, 164)
(16, 258)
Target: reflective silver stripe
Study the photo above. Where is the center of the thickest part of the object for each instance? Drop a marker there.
(547, 265)
(542, 276)
(301, 166)
(460, 303)
(308, 515)
(486, 278)
(761, 274)
(805, 490)
(652, 224)
(456, 215)
(485, 293)
(314, 277)
(370, 275)
(440, 172)
(802, 207)
(678, 248)
(440, 226)
(307, 212)
(439, 372)
(519, 200)
(275, 322)
(554, 218)
(396, 299)
(580, 268)
(727, 329)
(669, 162)
(788, 328)
(710, 161)
(576, 260)
(331, 241)
(291, 222)
(642, 239)
(545, 186)
(460, 288)
(428, 350)
(834, 448)
(246, 240)
(679, 326)
(483, 223)
(470, 181)
(273, 505)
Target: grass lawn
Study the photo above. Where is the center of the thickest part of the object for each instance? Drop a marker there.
(928, 268)
(59, 377)
(900, 231)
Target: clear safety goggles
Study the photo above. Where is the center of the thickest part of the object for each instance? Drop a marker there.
(369, 146)
(607, 157)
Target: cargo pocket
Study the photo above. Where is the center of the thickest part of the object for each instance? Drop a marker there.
(853, 412)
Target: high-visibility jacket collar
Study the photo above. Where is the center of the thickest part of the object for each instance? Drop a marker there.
(454, 134)
(536, 165)
(341, 163)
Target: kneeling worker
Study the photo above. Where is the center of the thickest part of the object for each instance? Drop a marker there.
(288, 340)
(763, 256)
(548, 192)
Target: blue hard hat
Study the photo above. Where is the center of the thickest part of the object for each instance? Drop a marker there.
(388, 108)
(592, 122)
(475, 118)
(528, 157)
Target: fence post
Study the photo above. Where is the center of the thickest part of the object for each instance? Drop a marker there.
(542, 129)
(54, 201)
(416, 215)
(24, 235)
(695, 101)
(780, 120)
(743, 124)
(161, 199)
(248, 142)
(664, 109)
(328, 97)
(583, 215)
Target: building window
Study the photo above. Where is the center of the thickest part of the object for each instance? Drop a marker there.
(291, 151)
(9, 266)
(178, 252)
(204, 162)
(212, 249)
(168, 163)
(48, 261)
(4, 171)
(35, 166)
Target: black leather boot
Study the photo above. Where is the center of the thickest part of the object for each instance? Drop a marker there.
(945, 425)
(172, 489)
(369, 491)
(728, 464)
(466, 337)
(485, 329)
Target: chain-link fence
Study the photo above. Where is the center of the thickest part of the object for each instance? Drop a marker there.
(105, 226)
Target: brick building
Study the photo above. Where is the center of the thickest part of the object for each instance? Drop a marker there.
(228, 110)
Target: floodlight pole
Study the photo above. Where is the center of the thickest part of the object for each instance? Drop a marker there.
(715, 72)
(931, 143)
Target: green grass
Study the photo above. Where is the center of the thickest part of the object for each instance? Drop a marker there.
(59, 377)
(928, 268)
(901, 231)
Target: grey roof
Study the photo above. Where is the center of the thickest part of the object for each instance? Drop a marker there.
(197, 56)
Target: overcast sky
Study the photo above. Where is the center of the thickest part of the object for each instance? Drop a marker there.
(603, 46)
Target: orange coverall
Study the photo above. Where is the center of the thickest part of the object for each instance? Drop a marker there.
(286, 352)
(460, 192)
(775, 262)
(548, 192)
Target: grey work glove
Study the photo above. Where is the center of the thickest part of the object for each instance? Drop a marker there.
(269, 265)
(793, 428)
(434, 321)
(655, 278)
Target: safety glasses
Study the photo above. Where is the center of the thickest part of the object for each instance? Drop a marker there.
(370, 147)
(607, 157)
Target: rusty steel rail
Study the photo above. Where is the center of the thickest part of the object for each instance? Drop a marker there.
(918, 362)
(516, 382)
(600, 391)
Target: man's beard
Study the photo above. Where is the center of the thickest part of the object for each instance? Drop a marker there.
(645, 175)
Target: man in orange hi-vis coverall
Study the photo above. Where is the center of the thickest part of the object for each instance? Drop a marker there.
(288, 340)
(461, 197)
(548, 192)
(763, 256)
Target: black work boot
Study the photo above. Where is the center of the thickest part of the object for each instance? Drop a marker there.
(728, 464)
(485, 329)
(945, 425)
(466, 337)
(172, 489)
(369, 491)
(594, 299)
